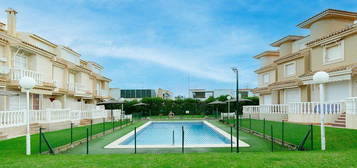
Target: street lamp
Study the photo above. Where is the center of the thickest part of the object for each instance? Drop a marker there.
(229, 107)
(27, 83)
(235, 70)
(122, 105)
(321, 78)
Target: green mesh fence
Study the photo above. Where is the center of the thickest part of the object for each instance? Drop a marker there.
(296, 134)
(75, 132)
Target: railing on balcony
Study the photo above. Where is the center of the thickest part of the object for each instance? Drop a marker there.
(102, 92)
(17, 74)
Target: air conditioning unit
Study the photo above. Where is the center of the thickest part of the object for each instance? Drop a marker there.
(4, 70)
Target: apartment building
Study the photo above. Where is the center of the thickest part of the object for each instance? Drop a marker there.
(285, 83)
(63, 79)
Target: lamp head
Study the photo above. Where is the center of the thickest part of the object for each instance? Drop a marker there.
(321, 77)
(27, 83)
(234, 69)
(229, 97)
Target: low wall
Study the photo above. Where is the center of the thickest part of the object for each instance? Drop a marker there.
(273, 117)
(12, 132)
(312, 118)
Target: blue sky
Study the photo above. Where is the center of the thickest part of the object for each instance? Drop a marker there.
(163, 43)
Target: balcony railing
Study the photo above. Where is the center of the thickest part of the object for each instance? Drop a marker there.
(102, 93)
(17, 74)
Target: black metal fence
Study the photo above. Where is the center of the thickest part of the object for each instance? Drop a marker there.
(77, 134)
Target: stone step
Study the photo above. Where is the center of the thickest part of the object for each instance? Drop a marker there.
(339, 121)
(338, 125)
(341, 118)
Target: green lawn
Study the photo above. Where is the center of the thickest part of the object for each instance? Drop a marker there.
(341, 152)
(97, 145)
(336, 138)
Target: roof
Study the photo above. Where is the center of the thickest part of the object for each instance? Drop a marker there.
(327, 14)
(286, 39)
(342, 32)
(267, 53)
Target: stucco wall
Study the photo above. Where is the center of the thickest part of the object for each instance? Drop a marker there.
(350, 55)
(326, 26)
(312, 118)
(285, 49)
(300, 69)
(351, 121)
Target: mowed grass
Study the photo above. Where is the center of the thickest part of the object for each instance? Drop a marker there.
(56, 138)
(337, 139)
(97, 145)
(341, 152)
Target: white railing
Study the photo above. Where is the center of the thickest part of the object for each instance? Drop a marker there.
(12, 118)
(251, 109)
(102, 92)
(17, 74)
(17, 118)
(228, 115)
(316, 108)
(274, 108)
(301, 108)
(79, 88)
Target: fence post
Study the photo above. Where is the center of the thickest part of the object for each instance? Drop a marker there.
(264, 128)
(71, 132)
(173, 137)
(282, 133)
(183, 140)
(87, 141)
(232, 138)
(272, 138)
(113, 123)
(312, 137)
(250, 123)
(40, 140)
(135, 140)
(103, 126)
(239, 117)
(91, 129)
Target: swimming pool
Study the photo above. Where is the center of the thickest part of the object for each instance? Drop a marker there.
(168, 134)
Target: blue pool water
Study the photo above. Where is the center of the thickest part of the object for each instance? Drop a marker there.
(170, 133)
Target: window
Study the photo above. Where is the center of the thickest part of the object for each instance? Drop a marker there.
(334, 53)
(266, 78)
(290, 69)
(20, 61)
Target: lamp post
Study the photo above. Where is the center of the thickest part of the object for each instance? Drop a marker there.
(235, 70)
(321, 78)
(122, 105)
(229, 107)
(27, 83)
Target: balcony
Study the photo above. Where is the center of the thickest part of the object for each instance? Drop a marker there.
(79, 89)
(17, 74)
(103, 93)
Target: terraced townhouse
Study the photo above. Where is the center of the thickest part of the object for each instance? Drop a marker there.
(285, 85)
(67, 88)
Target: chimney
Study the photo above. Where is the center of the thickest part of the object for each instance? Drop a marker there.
(11, 21)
